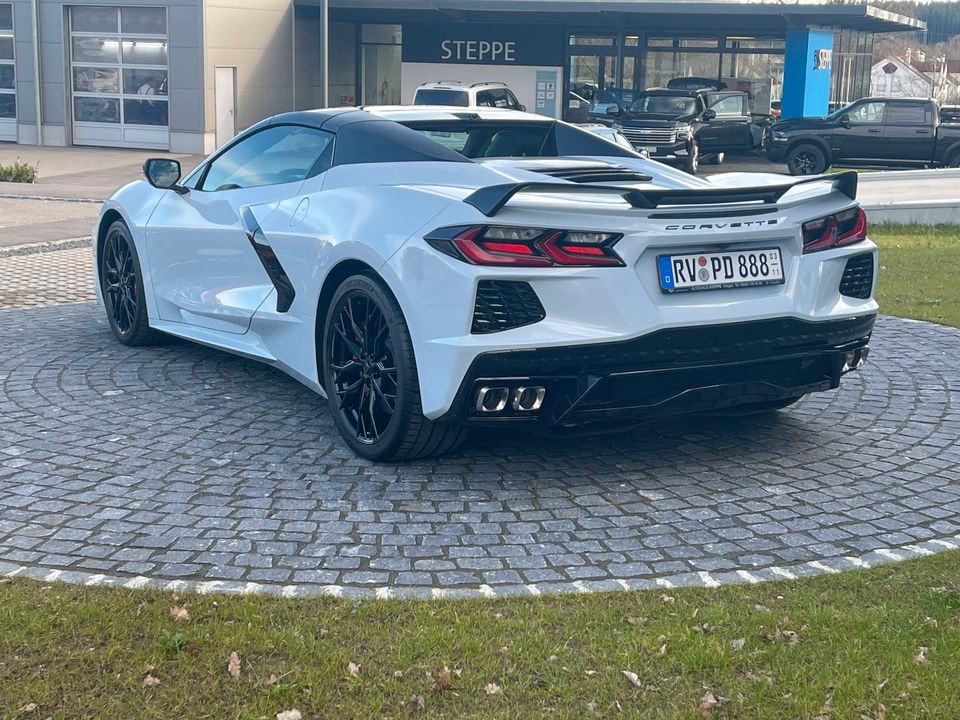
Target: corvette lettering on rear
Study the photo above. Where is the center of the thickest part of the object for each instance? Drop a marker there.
(738, 225)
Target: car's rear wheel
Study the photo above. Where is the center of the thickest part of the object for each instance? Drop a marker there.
(121, 283)
(807, 159)
(717, 158)
(370, 376)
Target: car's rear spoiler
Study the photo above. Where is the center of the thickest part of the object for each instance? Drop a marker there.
(490, 200)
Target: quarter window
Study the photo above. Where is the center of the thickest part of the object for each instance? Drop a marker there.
(281, 154)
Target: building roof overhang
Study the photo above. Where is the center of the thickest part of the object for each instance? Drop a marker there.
(766, 15)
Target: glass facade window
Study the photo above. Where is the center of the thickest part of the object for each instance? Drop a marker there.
(662, 66)
(118, 61)
(8, 75)
(852, 61)
(380, 59)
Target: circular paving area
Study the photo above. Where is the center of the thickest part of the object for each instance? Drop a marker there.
(179, 466)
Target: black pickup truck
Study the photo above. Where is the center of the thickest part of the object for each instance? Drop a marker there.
(684, 126)
(873, 131)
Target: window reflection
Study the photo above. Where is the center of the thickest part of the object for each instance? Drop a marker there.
(8, 105)
(146, 21)
(99, 80)
(93, 49)
(144, 52)
(145, 112)
(141, 81)
(94, 109)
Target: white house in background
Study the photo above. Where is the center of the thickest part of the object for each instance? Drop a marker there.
(893, 77)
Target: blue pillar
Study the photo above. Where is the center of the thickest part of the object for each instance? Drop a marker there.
(807, 65)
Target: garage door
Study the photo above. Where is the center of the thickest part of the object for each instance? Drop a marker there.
(118, 67)
(8, 98)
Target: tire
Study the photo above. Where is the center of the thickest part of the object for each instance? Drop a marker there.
(357, 366)
(692, 162)
(954, 160)
(755, 408)
(717, 158)
(121, 283)
(807, 159)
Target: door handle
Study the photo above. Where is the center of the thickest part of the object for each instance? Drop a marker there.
(922, 132)
(875, 131)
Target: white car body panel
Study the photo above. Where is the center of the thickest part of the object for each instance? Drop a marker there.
(204, 282)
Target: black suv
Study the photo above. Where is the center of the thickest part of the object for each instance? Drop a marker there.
(682, 126)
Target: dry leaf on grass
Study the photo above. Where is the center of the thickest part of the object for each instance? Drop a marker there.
(921, 658)
(293, 714)
(667, 599)
(791, 636)
(738, 643)
(233, 665)
(442, 683)
(636, 620)
(417, 702)
(492, 689)
(353, 669)
(398, 674)
(27, 709)
(179, 613)
(151, 681)
(505, 662)
(708, 702)
(271, 680)
(632, 677)
(827, 710)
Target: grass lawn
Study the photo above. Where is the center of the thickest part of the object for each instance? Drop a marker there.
(866, 645)
(919, 269)
(883, 643)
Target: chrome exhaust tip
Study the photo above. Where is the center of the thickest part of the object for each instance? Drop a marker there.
(854, 359)
(492, 399)
(528, 399)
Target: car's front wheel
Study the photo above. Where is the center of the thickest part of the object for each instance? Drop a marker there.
(370, 376)
(807, 159)
(121, 284)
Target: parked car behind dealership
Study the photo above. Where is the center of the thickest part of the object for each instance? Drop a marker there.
(684, 126)
(468, 95)
(872, 131)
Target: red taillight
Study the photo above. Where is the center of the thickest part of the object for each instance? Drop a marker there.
(843, 228)
(526, 247)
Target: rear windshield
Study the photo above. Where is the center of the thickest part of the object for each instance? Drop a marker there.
(457, 98)
(478, 139)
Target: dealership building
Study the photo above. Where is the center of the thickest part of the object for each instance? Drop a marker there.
(186, 75)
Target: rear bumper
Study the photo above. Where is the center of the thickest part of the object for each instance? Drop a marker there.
(669, 372)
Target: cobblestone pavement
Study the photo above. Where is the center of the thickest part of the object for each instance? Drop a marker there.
(179, 466)
(42, 278)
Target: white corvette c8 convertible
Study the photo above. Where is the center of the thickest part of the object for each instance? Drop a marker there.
(544, 278)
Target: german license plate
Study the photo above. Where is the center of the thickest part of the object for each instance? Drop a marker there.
(719, 270)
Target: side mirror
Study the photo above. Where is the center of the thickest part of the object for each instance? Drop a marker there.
(164, 174)
(522, 108)
(845, 121)
(613, 109)
(709, 115)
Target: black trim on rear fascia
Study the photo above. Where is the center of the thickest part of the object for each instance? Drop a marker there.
(268, 258)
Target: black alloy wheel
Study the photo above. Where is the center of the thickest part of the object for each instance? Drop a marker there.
(122, 294)
(369, 372)
(121, 284)
(363, 362)
(807, 160)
